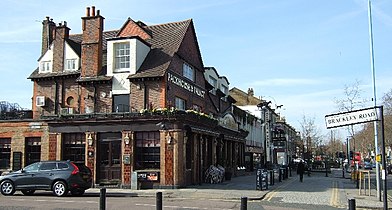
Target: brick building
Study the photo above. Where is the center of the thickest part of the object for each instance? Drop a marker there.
(132, 104)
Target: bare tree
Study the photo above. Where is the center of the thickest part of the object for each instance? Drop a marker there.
(387, 102)
(352, 100)
(310, 134)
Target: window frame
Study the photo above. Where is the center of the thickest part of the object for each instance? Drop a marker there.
(5, 152)
(180, 102)
(45, 66)
(74, 147)
(188, 72)
(119, 54)
(70, 62)
(32, 150)
(147, 150)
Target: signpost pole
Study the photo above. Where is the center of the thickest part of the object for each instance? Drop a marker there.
(384, 165)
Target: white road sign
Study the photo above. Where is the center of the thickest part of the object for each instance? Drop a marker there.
(353, 117)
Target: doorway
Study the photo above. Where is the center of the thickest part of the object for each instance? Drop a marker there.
(109, 159)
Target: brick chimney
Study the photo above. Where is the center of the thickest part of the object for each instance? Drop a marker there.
(92, 26)
(48, 27)
(61, 34)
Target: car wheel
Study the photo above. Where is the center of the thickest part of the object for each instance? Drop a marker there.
(28, 192)
(60, 188)
(7, 188)
(77, 192)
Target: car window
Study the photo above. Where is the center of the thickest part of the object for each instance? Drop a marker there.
(32, 168)
(62, 166)
(48, 166)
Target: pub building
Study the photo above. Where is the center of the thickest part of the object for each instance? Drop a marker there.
(133, 104)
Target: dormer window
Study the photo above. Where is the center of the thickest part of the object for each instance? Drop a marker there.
(45, 66)
(188, 72)
(70, 64)
(213, 82)
(225, 89)
(121, 56)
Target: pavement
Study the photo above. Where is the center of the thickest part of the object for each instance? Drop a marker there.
(340, 192)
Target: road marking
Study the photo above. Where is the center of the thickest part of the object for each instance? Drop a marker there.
(271, 194)
(177, 207)
(335, 195)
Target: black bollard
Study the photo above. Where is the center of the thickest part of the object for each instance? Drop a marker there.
(290, 172)
(159, 201)
(343, 172)
(351, 204)
(326, 172)
(244, 203)
(273, 177)
(280, 175)
(102, 199)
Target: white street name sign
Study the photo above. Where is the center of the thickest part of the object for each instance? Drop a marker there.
(353, 117)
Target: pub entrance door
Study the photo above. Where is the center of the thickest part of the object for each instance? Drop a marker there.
(109, 159)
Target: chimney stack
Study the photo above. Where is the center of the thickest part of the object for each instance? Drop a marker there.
(48, 28)
(61, 35)
(92, 42)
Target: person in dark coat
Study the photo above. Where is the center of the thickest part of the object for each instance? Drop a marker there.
(301, 170)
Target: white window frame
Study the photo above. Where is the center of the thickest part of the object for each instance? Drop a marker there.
(180, 103)
(70, 64)
(45, 66)
(122, 56)
(224, 89)
(212, 81)
(188, 72)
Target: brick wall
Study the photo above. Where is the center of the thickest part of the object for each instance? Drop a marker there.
(18, 131)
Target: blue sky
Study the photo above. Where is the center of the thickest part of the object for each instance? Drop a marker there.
(299, 53)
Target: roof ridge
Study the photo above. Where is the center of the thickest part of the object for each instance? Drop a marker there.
(187, 20)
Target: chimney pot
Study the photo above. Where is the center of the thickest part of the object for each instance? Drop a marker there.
(65, 23)
(98, 12)
(47, 18)
(88, 12)
(60, 24)
(93, 12)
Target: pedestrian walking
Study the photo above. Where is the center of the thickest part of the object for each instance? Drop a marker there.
(301, 170)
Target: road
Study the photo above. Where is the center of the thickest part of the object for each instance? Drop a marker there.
(316, 192)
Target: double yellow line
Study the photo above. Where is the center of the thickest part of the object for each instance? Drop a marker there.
(335, 195)
(271, 194)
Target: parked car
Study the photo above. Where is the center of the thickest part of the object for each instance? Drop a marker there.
(367, 166)
(57, 176)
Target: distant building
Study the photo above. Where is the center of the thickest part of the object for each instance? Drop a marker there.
(134, 104)
(269, 131)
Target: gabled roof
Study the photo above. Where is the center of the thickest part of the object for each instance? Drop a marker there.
(165, 40)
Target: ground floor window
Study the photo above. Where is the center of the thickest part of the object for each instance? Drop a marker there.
(147, 150)
(33, 150)
(5, 153)
(74, 147)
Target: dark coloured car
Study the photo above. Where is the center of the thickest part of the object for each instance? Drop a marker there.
(367, 166)
(60, 177)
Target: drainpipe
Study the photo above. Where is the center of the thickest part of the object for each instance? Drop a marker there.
(56, 98)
